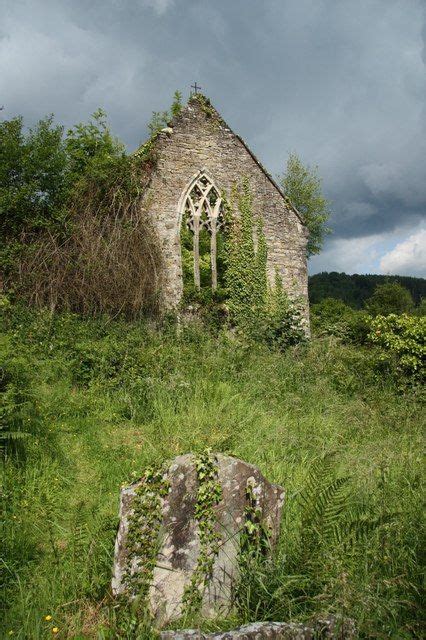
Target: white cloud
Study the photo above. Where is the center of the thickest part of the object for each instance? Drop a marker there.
(408, 257)
(398, 252)
(351, 255)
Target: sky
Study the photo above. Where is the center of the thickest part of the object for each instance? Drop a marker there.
(341, 83)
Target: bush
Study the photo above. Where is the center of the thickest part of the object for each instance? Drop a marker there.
(388, 298)
(401, 341)
(76, 236)
(334, 318)
(33, 176)
(282, 318)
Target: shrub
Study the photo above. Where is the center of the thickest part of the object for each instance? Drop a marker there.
(388, 298)
(334, 318)
(106, 260)
(401, 341)
(33, 176)
(283, 321)
(109, 263)
(77, 237)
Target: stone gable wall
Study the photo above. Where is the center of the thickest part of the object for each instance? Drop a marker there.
(199, 139)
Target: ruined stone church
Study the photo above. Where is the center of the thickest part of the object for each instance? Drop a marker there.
(199, 161)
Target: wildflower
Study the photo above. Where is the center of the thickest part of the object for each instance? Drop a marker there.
(47, 618)
(55, 629)
(10, 633)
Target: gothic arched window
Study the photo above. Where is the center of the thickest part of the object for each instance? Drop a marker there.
(203, 210)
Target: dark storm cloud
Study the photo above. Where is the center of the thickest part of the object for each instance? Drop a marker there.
(341, 83)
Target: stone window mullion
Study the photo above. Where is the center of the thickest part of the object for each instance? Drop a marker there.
(203, 206)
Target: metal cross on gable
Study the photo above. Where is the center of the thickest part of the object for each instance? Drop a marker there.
(195, 86)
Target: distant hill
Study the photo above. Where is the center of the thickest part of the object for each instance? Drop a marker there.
(355, 289)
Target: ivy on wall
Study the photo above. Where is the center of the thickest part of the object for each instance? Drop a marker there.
(257, 310)
(261, 311)
(245, 275)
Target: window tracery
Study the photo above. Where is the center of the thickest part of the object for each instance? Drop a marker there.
(203, 209)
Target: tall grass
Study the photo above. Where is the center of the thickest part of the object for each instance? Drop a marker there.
(112, 397)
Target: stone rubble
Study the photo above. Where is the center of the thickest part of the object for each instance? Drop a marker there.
(329, 629)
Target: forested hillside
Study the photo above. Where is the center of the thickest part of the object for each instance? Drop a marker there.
(355, 289)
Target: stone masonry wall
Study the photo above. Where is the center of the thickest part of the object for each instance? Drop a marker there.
(199, 139)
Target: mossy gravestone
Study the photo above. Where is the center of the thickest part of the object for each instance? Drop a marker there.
(186, 531)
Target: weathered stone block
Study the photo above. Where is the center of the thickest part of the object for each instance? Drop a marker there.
(331, 629)
(181, 532)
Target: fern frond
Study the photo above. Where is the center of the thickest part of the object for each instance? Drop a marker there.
(14, 435)
(79, 531)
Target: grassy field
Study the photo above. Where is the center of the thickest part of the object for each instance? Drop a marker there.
(104, 399)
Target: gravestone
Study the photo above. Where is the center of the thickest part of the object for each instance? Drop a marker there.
(185, 531)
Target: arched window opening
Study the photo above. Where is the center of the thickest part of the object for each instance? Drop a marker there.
(202, 219)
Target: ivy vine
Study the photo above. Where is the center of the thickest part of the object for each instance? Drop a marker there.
(246, 278)
(142, 536)
(255, 536)
(208, 496)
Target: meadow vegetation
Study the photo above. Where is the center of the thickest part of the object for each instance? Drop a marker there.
(96, 387)
(96, 401)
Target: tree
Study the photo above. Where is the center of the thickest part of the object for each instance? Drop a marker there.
(389, 298)
(32, 175)
(91, 148)
(303, 186)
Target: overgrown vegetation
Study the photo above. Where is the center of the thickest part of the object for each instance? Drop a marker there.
(75, 234)
(260, 310)
(402, 345)
(162, 119)
(89, 402)
(399, 340)
(244, 300)
(109, 399)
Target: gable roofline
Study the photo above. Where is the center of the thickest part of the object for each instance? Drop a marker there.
(204, 103)
(270, 178)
